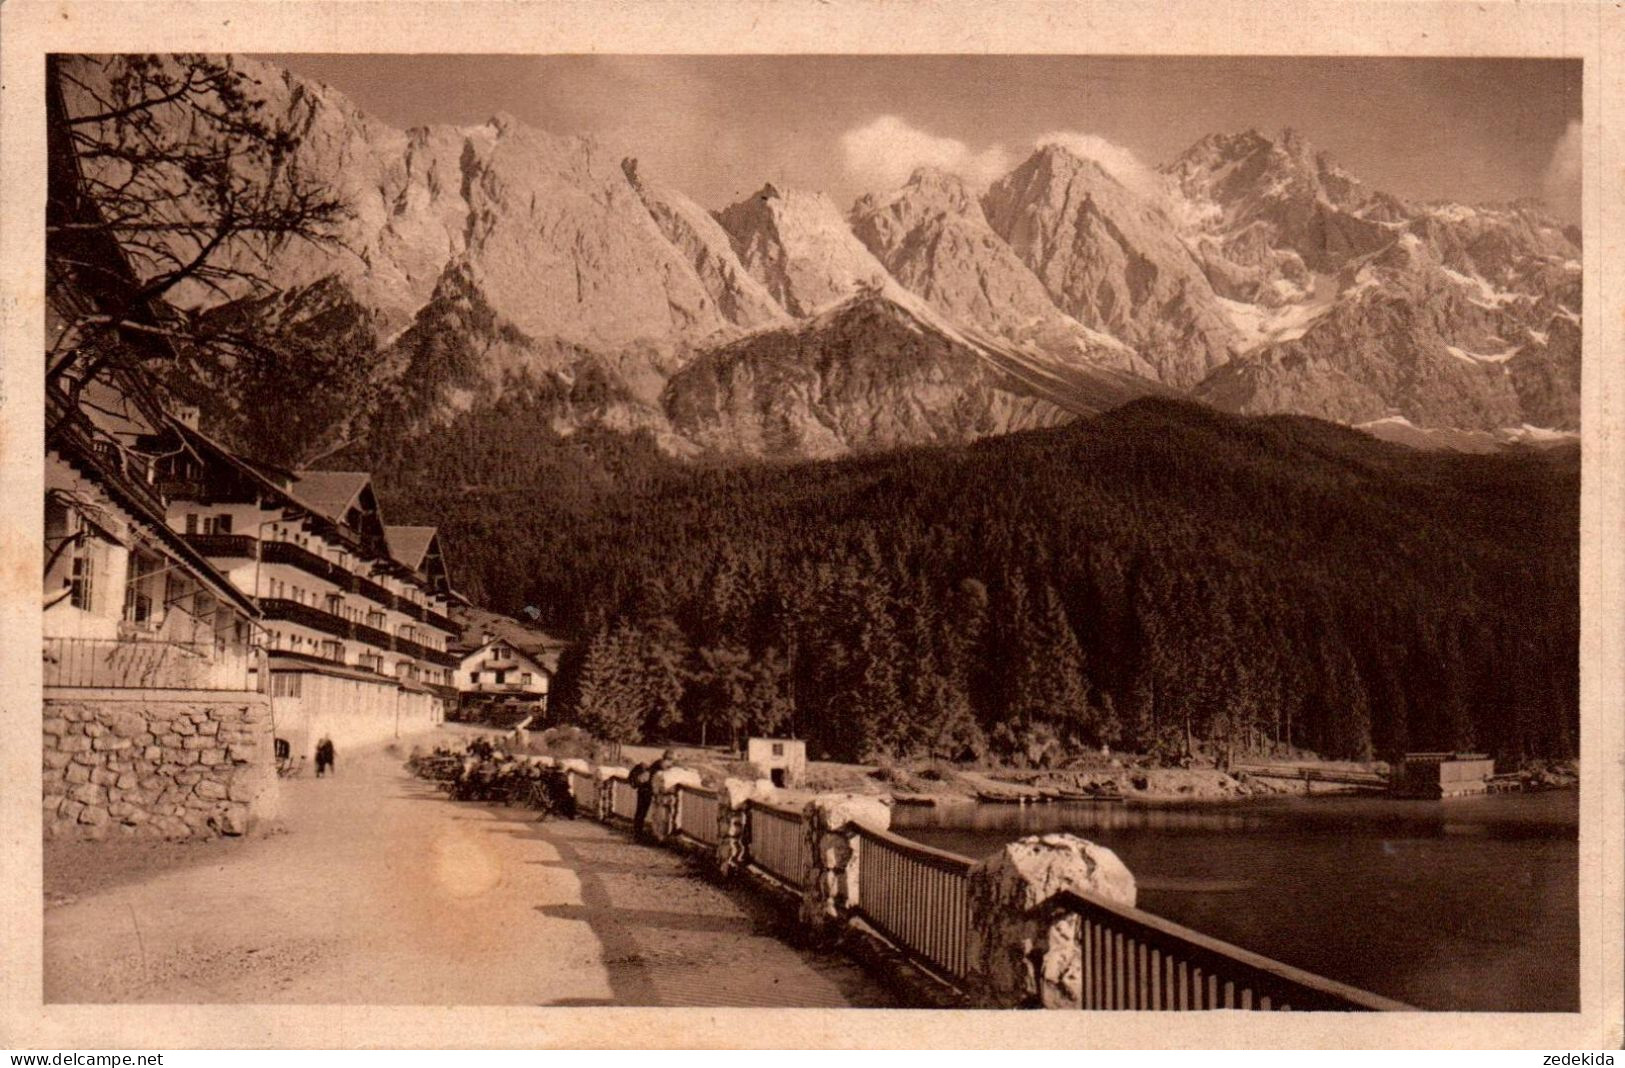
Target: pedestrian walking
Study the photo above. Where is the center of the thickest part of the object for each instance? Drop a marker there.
(643, 783)
(324, 757)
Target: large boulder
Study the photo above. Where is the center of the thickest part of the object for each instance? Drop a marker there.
(669, 779)
(1024, 950)
(831, 889)
(1028, 872)
(828, 812)
(735, 792)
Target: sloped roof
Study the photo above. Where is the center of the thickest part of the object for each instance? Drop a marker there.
(330, 492)
(409, 544)
(481, 626)
(547, 659)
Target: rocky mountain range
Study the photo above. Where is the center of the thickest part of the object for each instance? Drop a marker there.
(1251, 273)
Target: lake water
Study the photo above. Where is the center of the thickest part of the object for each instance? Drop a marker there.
(1470, 903)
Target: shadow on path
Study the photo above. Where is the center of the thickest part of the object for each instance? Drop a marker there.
(672, 937)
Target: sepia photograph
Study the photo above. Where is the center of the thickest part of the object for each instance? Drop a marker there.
(752, 530)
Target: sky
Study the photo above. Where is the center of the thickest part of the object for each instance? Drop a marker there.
(718, 127)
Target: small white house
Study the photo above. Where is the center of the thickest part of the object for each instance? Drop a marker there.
(783, 759)
(498, 673)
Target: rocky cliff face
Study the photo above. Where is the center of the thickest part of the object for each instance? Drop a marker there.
(1111, 258)
(797, 245)
(1252, 271)
(1356, 306)
(933, 238)
(879, 370)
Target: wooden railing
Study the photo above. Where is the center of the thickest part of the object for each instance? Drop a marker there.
(918, 897)
(138, 664)
(283, 608)
(778, 844)
(623, 799)
(1134, 960)
(584, 788)
(697, 814)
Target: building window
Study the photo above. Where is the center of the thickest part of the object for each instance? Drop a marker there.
(474, 676)
(525, 678)
(502, 677)
(139, 600)
(82, 575)
(778, 749)
(285, 684)
(191, 522)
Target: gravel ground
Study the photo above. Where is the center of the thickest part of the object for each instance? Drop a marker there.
(381, 891)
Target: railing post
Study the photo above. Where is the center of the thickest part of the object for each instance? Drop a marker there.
(733, 824)
(1024, 951)
(669, 799)
(606, 777)
(828, 821)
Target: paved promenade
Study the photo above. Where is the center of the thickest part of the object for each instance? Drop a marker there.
(385, 892)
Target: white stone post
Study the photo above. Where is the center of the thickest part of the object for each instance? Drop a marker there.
(606, 790)
(732, 814)
(829, 822)
(667, 799)
(1024, 952)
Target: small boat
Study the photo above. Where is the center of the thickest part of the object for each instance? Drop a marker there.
(1006, 797)
(1090, 795)
(913, 799)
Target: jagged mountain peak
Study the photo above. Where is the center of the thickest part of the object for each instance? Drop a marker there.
(1056, 159)
(798, 245)
(933, 238)
(1111, 258)
(505, 249)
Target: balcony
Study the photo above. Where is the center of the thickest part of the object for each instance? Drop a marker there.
(280, 608)
(287, 552)
(184, 489)
(369, 589)
(440, 622)
(285, 610)
(423, 652)
(372, 636)
(214, 546)
(514, 688)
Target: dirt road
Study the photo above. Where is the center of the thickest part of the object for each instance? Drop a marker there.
(384, 892)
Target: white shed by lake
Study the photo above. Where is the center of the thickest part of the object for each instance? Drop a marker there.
(783, 759)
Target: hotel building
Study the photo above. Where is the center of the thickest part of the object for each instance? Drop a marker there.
(355, 613)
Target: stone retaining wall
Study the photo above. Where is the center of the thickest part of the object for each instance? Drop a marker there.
(170, 764)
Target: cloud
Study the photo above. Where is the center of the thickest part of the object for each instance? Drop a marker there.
(882, 153)
(1114, 159)
(1560, 185)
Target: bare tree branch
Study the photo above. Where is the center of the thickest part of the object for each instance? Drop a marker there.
(176, 164)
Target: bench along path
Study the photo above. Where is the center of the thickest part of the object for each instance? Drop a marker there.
(385, 892)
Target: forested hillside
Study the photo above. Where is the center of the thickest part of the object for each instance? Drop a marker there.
(1159, 574)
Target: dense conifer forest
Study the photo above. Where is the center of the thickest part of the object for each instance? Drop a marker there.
(1160, 578)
